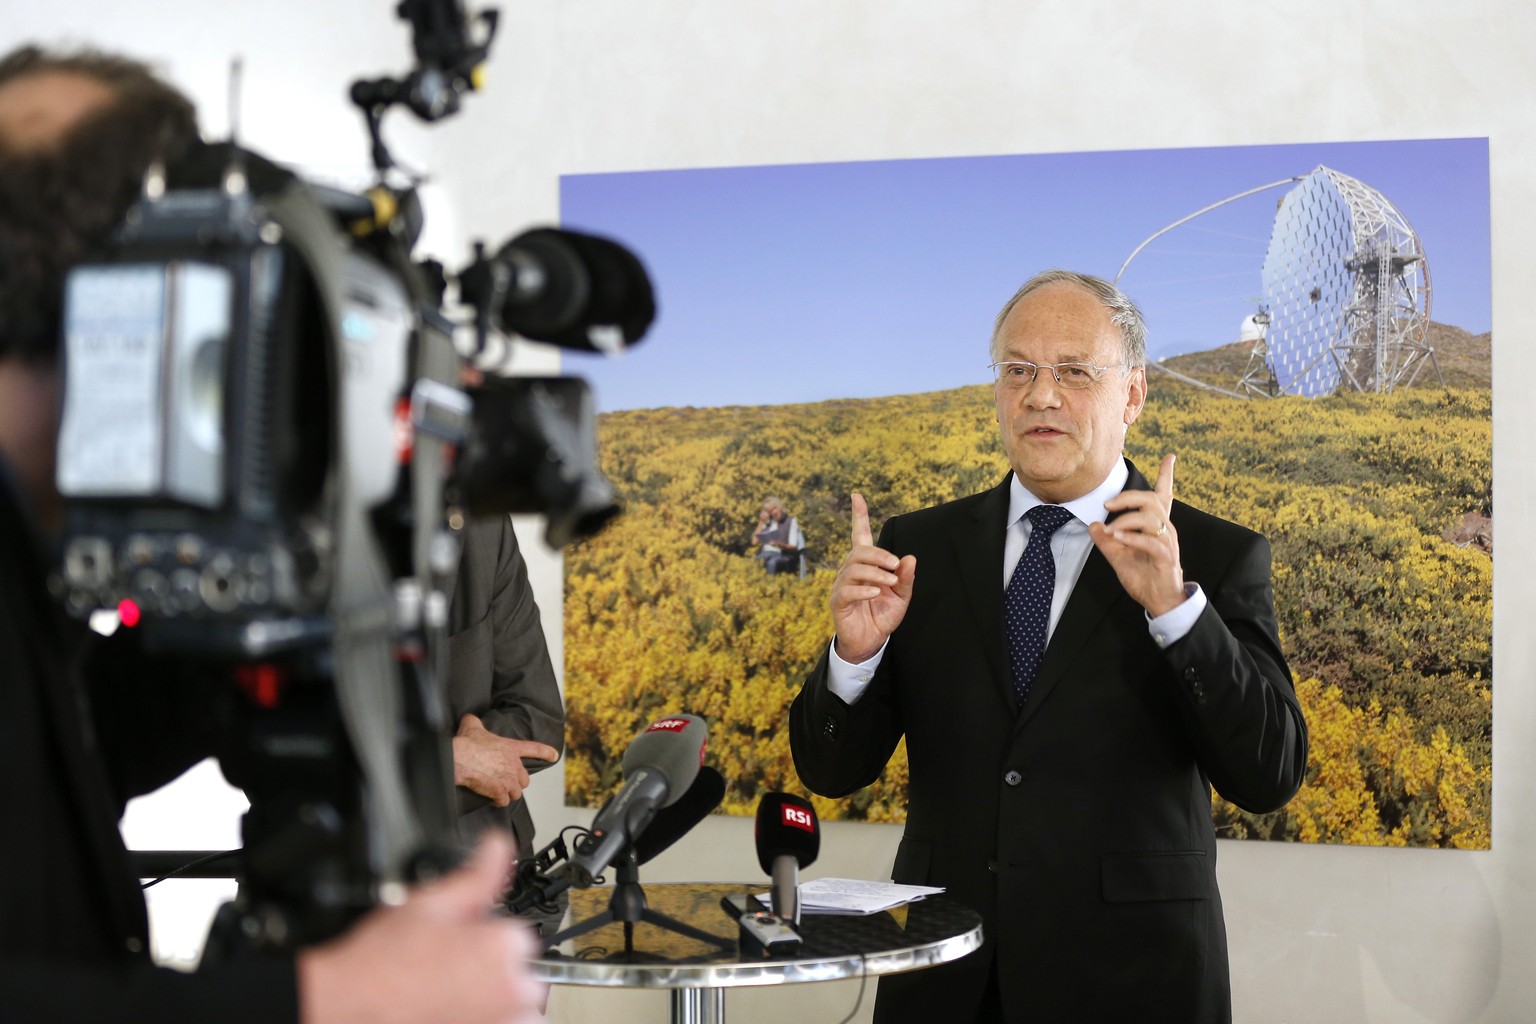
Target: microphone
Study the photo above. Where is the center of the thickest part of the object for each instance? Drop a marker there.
(674, 822)
(788, 839)
(659, 769)
(538, 880)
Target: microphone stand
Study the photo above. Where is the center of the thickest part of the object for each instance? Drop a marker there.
(628, 905)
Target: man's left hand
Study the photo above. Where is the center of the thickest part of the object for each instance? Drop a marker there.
(492, 765)
(1142, 545)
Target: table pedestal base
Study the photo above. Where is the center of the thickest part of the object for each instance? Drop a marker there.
(698, 1006)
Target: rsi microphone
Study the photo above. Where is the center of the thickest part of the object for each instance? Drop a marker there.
(659, 768)
(788, 839)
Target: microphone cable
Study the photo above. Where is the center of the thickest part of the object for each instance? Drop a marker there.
(863, 982)
(189, 865)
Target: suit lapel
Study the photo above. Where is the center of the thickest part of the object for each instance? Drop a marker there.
(452, 580)
(467, 584)
(1097, 590)
(979, 555)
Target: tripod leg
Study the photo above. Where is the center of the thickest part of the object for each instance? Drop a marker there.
(661, 920)
(579, 928)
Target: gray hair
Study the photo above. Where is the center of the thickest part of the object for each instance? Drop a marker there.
(1122, 311)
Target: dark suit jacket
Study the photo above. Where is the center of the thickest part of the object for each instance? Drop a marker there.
(1079, 826)
(498, 663)
(74, 940)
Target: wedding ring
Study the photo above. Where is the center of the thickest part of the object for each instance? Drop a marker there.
(1161, 531)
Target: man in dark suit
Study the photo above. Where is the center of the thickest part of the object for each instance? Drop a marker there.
(77, 133)
(500, 685)
(1063, 794)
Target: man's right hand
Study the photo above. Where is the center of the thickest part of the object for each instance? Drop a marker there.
(440, 956)
(492, 765)
(870, 594)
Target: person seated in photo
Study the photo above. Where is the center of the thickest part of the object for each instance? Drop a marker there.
(781, 545)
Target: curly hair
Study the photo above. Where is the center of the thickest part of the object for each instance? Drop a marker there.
(58, 205)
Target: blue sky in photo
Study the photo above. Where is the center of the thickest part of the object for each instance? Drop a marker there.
(803, 283)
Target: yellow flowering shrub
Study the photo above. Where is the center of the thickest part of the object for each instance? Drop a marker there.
(1387, 624)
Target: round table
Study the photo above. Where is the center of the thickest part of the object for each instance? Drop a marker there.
(922, 934)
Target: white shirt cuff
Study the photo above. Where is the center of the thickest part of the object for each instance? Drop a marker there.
(1171, 627)
(850, 681)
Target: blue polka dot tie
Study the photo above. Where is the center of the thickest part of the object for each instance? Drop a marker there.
(1027, 601)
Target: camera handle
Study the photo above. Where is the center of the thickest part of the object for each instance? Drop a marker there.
(448, 62)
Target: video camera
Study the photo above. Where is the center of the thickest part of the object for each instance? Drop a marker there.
(267, 445)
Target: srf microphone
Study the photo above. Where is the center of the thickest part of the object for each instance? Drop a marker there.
(788, 839)
(659, 767)
(673, 822)
(537, 884)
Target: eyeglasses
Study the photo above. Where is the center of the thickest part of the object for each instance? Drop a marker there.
(1021, 373)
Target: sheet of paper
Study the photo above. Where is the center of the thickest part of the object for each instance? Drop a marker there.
(856, 896)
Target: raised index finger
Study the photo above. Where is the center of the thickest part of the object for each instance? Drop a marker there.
(861, 535)
(1165, 481)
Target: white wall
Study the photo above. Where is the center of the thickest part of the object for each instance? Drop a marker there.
(1317, 934)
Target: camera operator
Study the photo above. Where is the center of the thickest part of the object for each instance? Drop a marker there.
(84, 726)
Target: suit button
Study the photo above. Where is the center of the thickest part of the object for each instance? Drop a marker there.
(829, 727)
(1190, 675)
(1013, 778)
(134, 944)
(992, 866)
